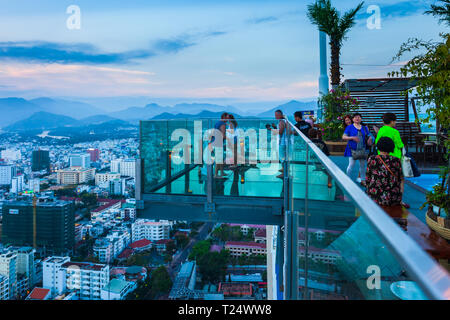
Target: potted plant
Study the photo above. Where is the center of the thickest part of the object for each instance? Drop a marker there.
(438, 201)
(336, 105)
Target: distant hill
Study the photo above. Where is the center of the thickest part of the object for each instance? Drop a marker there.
(42, 120)
(74, 109)
(201, 115)
(15, 109)
(49, 121)
(96, 119)
(289, 108)
(139, 113)
(194, 108)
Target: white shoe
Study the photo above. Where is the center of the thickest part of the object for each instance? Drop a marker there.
(358, 180)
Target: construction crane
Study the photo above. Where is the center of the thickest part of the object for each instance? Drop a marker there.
(34, 221)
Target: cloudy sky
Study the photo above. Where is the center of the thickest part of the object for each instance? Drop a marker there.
(199, 50)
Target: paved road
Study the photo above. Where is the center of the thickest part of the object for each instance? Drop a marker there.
(174, 266)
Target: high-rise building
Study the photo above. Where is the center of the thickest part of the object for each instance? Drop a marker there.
(17, 184)
(53, 277)
(8, 269)
(115, 165)
(40, 160)
(128, 168)
(117, 186)
(7, 172)
(55, 227)
(25, 263)
(34, 185)
(80, 160)
(94, 153)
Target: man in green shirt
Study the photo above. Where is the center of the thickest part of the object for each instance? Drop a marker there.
(389, 131)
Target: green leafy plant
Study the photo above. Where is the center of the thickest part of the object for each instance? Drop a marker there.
(431, 70)
(336, 105)
(440, 196)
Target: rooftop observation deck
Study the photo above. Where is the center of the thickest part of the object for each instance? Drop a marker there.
(176, 180)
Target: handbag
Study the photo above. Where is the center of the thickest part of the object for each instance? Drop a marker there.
(406, 165)
(360, 154)
(414, 166)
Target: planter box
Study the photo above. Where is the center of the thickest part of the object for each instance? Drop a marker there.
(336, 148)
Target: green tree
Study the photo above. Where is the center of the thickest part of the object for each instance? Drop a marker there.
(89, 199)
(199, 249)
(329, 20)
(431, 70)
(160, 281)
(441, 11)
(213, 266)
(181, 240)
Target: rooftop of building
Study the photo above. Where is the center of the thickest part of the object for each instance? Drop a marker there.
(56, 259)
(38, 294)
(26, 203)
(85, 265)
(116, 285)
(140, 244)
(245, 244)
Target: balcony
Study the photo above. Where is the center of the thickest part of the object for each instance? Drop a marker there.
(361, 253)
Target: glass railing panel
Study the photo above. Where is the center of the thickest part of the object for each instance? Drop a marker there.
(249, 158)
(340, 253)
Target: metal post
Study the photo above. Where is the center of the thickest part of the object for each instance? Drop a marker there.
(323, 78)
(305, 294)
(290, 230)
(209, 205)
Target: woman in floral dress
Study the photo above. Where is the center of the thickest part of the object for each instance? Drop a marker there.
(384, 175)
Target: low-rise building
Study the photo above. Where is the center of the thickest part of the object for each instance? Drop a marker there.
(101, 178)
(151, 230)
(75, 175)
(117, 289)
(238, 248)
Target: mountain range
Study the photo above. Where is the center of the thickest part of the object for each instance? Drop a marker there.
(19, 114)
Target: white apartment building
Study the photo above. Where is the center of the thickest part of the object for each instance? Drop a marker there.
(87, 278)
(115, 165)
(25, 263)
(8, 269)
(62, 275)
(7, 172)
(75, 175)
(103, 249)
(150, 230)
(17, 184)
(128, 168)
(106, 177)
(4, 288)
(108, 248)
(53, 277)
(34, 185)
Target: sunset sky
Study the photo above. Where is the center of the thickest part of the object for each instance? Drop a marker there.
(216, 51)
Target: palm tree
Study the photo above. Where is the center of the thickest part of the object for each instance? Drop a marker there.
(329, 20)
(442, 12)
